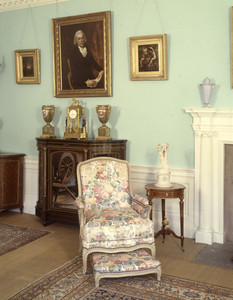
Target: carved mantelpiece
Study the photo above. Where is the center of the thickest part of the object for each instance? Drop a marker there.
(213, 129)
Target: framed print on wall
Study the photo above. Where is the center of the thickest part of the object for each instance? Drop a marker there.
(27, 67)
(82, 55)
(148, 57)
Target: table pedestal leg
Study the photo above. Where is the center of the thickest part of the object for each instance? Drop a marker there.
(163, 229)
(150, 203)
(167, 231)
(182, 222)
(163, 218)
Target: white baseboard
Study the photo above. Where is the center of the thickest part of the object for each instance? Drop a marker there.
(218, 237)
(204, 237)
(30, 184)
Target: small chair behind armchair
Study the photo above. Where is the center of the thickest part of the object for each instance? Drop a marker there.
(111, 218)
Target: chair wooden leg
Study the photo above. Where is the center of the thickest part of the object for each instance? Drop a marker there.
(153, 251)
(85, 261)
(80, 244)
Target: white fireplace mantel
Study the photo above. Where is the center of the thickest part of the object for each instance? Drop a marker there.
(213, 129)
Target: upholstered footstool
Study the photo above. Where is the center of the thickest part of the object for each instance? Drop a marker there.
(134, 263)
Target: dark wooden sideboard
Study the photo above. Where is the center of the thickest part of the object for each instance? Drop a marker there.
(58, 159)
(11, 181)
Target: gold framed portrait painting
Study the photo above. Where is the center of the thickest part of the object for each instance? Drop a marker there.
(148, 57)
(82, 55)
(27, 67)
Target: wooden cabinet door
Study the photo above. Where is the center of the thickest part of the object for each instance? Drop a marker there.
(11, 181)
(63, 187)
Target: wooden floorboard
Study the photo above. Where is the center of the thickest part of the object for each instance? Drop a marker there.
(32, 261)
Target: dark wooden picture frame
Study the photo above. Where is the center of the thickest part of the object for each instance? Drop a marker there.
(71, 68)
(27, 67)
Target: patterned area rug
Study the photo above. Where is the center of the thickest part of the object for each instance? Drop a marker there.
(12, 237)
(68, 282)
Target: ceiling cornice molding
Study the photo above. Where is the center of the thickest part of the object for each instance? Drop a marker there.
(7, 5)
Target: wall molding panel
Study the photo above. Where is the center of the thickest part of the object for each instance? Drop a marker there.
(140, 175)
(7, 5)
(31, 169)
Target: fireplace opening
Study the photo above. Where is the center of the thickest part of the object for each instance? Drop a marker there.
(228, 192)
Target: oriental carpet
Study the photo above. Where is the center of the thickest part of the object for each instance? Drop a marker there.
(12, 237)
(68, 282)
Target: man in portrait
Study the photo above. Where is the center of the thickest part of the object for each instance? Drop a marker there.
(83, 70)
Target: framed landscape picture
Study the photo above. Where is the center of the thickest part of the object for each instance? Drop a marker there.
(148, 57)
(82, 55)
(27, 67)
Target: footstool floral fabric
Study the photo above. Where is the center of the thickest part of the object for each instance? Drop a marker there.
(124, 264)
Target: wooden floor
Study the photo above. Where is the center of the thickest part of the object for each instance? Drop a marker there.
(30, 262)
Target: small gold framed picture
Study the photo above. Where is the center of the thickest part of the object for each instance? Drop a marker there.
(27, 68)
(148, 57)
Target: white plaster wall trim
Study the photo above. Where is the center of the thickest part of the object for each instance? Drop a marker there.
(31, 169)
(7, 5)
(148, 173)
(211, 119)
(213, 129)
(31, 163)
(140, 175)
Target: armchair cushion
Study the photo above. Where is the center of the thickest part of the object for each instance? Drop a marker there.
(111, 228)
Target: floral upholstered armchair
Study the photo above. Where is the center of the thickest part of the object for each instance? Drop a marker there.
(111, 218)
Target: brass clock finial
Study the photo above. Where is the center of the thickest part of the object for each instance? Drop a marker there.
(75, 102)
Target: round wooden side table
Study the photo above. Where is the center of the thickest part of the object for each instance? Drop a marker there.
(175, 191)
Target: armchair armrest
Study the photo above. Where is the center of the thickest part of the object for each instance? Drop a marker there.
(141, 205)
(81, 212)
(79, 202)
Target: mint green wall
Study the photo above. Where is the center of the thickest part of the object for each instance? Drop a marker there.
(145, 113)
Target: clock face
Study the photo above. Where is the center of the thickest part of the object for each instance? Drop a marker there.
(72, 114)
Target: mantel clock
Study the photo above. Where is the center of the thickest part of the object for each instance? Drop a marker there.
(75, 122)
